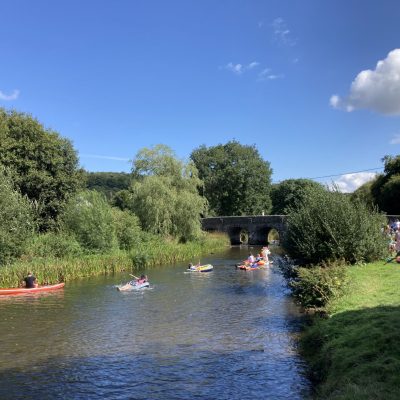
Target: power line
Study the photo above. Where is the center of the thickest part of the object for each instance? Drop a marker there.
(331, 176)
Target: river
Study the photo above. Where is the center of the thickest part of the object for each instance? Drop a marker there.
(226, 334)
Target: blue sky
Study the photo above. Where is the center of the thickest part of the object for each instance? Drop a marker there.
(287, 76)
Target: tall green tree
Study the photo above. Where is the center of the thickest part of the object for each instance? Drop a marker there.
(16, 220)
(237, 180)
(89, 218)
(164, 194)
(44, 166)
(288, 194)
(386, 188)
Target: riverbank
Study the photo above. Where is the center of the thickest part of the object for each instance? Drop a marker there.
(146, 255)
(355, 352)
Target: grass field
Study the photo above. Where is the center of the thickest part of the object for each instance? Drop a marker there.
(355, 352)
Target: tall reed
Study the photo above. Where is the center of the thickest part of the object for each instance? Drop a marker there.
(51, 270)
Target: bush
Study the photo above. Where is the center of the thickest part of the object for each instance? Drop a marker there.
(330, 226)
(16, 220)
(127, 228)
(53, 244)
(315, 286)
(88, 217)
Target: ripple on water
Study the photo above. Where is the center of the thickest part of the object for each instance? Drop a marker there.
(227, 334)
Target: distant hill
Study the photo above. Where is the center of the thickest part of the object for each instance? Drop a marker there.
(108, 183)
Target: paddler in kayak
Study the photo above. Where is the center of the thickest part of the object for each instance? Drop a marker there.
(30, 281)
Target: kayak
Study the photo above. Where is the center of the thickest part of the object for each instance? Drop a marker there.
(201, 268)
(135, 286)
(13, 291)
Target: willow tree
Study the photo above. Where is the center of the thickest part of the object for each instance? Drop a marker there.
(164, 194)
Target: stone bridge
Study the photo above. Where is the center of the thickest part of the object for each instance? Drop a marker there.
(252, 229)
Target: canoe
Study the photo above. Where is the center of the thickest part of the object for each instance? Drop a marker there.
(129, 286)
(47, 288)
(201, 268)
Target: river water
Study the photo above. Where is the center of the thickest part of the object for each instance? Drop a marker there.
(227, 334)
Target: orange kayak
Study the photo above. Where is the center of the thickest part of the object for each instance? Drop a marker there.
(12, 291)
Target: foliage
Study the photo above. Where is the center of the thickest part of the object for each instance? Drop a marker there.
(123, 199)
(288, 194)
(386, 188)
(330, 226)
(16, 220)
(354, 354)
(236, 179)
(53, 244)
(164, 194)
(364, 194)
(315, 286)
(108, 183)
(44, 166)
(88, 217)
(127, 228)
(152, 251)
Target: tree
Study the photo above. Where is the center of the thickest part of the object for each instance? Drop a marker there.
(43, 165)
(16, 220)
(89, 218)
(288, 194)
(108, 183)
(164, 194)
(236, 179)
(364, 194)
(386, 188)
(330, 226)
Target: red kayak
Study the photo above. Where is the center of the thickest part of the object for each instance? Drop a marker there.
(22, 290)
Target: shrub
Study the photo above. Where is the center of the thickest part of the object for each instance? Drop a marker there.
(53, 244)
(16, 220)
(88, 217)
(330, 226)
(127, 228)
(316, 285)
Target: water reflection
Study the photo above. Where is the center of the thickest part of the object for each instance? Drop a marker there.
(227, 334)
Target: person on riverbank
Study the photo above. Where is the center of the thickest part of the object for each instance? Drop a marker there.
(30, 281)
(397, 240)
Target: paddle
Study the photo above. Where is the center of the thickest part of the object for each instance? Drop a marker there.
(134, 276)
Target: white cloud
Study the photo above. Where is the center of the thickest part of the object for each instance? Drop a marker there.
(104, 157)
(349, 182)
(266, 74)
(377, 90)
(9, 97)
(395, 139)
(282, 33)
(238, 69)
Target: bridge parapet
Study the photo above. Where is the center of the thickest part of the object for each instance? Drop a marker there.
(256, 226)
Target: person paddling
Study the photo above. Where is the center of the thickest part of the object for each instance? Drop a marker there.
(30, 281)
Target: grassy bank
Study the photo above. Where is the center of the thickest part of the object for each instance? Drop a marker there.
(355, 353)
(145, 255)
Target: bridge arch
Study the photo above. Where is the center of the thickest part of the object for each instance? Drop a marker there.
(256, 226)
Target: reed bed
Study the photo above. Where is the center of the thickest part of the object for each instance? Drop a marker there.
(51, 270)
